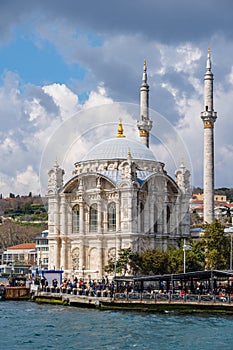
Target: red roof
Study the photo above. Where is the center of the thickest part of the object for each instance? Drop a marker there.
(23, 246)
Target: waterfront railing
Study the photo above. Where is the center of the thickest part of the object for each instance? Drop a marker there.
(136, 296)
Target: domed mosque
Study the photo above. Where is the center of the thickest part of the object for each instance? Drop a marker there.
(119, 196)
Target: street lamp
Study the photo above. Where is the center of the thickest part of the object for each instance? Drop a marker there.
(185, 247)
(83, 268)
(229, 232)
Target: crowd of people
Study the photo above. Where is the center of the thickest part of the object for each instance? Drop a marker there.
(79, 286)
(104, 287)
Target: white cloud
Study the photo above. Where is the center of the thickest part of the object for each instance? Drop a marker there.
(34, 110)
(64, 98)
(97, 98)
(28, 179)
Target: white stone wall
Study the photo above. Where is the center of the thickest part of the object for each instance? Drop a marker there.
(134, 227)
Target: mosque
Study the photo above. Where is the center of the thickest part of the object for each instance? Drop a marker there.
(119, 196)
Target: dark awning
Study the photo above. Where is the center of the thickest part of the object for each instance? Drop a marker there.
(187, 276)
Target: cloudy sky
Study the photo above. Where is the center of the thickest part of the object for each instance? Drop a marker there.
(66, 67)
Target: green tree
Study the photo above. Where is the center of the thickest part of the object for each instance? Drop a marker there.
(153, 261)
(128, 262)
(175, 260)
(216, 246)
(196, 256)
(109, 268)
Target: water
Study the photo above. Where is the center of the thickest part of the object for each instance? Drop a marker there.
(27, 325)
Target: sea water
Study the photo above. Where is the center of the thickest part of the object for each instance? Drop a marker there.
(28, 325)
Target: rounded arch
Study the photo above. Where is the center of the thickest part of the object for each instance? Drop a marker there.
(71, 185)
(172, 185)
(93, 258)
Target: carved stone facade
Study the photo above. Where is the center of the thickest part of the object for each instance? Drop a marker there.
(112, 204)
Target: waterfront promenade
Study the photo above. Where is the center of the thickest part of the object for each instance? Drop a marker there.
(138, 301)
(201, 291)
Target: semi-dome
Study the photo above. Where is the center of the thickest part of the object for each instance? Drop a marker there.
(118, 148)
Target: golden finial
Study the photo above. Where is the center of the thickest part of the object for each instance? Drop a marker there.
(208, 51)
(120, 130)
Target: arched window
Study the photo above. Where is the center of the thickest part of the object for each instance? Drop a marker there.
(141, 217)
(112, 216)
(168, 218)
(75, 218)
(93, 218)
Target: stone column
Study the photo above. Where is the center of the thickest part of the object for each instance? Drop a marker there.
(118, 216)
(99, 217)
(63, 254)
(63, 216)
(151, 214)
(57, 234)
(208, 174)
(69, 220)
(81, 218)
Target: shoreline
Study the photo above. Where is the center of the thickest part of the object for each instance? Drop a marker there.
(183, 306)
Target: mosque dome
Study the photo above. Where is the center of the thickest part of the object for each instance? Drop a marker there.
(118, 148)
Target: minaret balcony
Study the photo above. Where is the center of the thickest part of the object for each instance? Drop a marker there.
(145, 124)
(209, 116)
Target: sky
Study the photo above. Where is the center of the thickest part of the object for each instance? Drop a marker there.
(70, 69)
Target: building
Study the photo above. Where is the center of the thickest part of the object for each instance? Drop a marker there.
(24, 253)
(217, 197)
(1, 256)
(119, 196)
(42, 248)
(222, 208)
(208, 117)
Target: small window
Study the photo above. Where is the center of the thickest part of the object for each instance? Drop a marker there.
(75, 218)
(93, 218)
(112, 216)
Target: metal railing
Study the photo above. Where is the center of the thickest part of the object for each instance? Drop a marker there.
(186, 298)
(138, 296)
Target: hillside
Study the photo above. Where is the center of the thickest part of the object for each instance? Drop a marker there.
(228, 192)
(21, 219)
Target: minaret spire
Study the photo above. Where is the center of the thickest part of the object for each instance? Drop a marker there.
(208, 117)
(144, 123)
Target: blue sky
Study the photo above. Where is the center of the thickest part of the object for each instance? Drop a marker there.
(37, 64)
(58, 61)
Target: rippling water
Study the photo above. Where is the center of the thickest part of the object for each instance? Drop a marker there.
(27, 325)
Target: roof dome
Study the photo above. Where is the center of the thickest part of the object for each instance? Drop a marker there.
(118, 148)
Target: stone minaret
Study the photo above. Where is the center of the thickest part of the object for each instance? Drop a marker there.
(144, 124)
(209, 118)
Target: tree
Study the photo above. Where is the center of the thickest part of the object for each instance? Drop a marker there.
(12, 233)
(128, 262)
(123, 265)
(175, 260)
(196, 256)
(153, 261)
(109, 268)
(216, 246)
